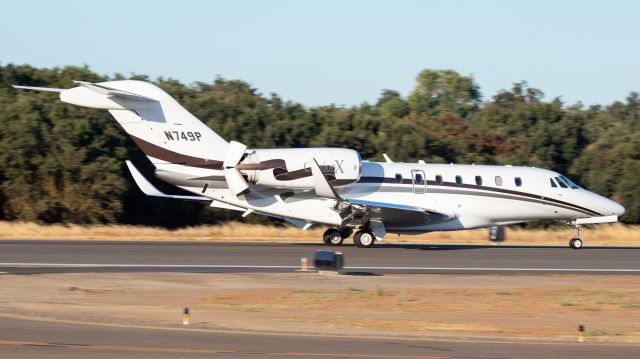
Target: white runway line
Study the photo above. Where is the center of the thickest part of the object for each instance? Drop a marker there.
(117, 265)
(503, 269)
(240, 266)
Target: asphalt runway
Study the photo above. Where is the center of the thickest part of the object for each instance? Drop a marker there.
(26, 257)
(21, 338)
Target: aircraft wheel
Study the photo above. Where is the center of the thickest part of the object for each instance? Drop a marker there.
(364, 239)
(332, 237)
(575, 243)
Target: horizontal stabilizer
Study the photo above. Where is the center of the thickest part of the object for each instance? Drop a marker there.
(150, 190)
(108, 91)
(48, 89)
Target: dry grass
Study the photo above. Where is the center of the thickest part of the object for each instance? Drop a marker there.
(451, 305)
(603, 235)
(610, 309)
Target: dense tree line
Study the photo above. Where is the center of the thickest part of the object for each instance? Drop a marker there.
(61, 163)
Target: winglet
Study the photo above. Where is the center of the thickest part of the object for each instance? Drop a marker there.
(150, 190)
(322, 186)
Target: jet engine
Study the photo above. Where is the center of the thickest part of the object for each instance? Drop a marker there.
(290, 168)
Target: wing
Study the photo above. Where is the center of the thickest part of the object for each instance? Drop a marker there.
(397, 215)
(356, 211)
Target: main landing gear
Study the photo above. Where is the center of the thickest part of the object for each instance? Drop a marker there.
(334, 237)
(364, 239)
(576, 242)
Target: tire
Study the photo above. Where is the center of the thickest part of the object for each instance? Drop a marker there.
(575, 243)
(332, 237)
(364, 239)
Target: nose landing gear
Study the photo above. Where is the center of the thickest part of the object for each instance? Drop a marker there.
(576, 242)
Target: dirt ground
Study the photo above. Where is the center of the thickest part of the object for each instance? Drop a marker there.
(548, 307)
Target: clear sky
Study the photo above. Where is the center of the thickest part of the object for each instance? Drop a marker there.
(342, 52)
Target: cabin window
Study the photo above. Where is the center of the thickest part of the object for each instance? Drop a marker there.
(498, 181)
(398, 178)
(553, 183)
(438, 179)
(569, 182)
(518, 181)
(479, 180)
(562, 184)
(458, 179)
(419, 178)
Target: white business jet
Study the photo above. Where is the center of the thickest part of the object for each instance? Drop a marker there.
(332, 187)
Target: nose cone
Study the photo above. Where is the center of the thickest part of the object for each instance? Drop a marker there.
(615, 208)
(604, 205)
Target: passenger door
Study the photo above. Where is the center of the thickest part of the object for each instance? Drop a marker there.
(419, 181)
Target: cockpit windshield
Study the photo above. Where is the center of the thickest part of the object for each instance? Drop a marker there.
(568, 182)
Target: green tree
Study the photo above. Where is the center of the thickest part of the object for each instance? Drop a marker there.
(61, 163)
(444, 91)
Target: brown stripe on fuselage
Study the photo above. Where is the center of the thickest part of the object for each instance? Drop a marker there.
(342, 182)
(293, 175)
(264, 165)
(164, 154)
(484, 188)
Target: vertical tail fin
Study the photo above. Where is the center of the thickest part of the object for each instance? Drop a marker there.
(164, 130)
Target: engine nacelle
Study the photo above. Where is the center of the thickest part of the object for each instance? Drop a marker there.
(290, 167)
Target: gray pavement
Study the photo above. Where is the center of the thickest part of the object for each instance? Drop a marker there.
(36, 339)
(116, 256)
